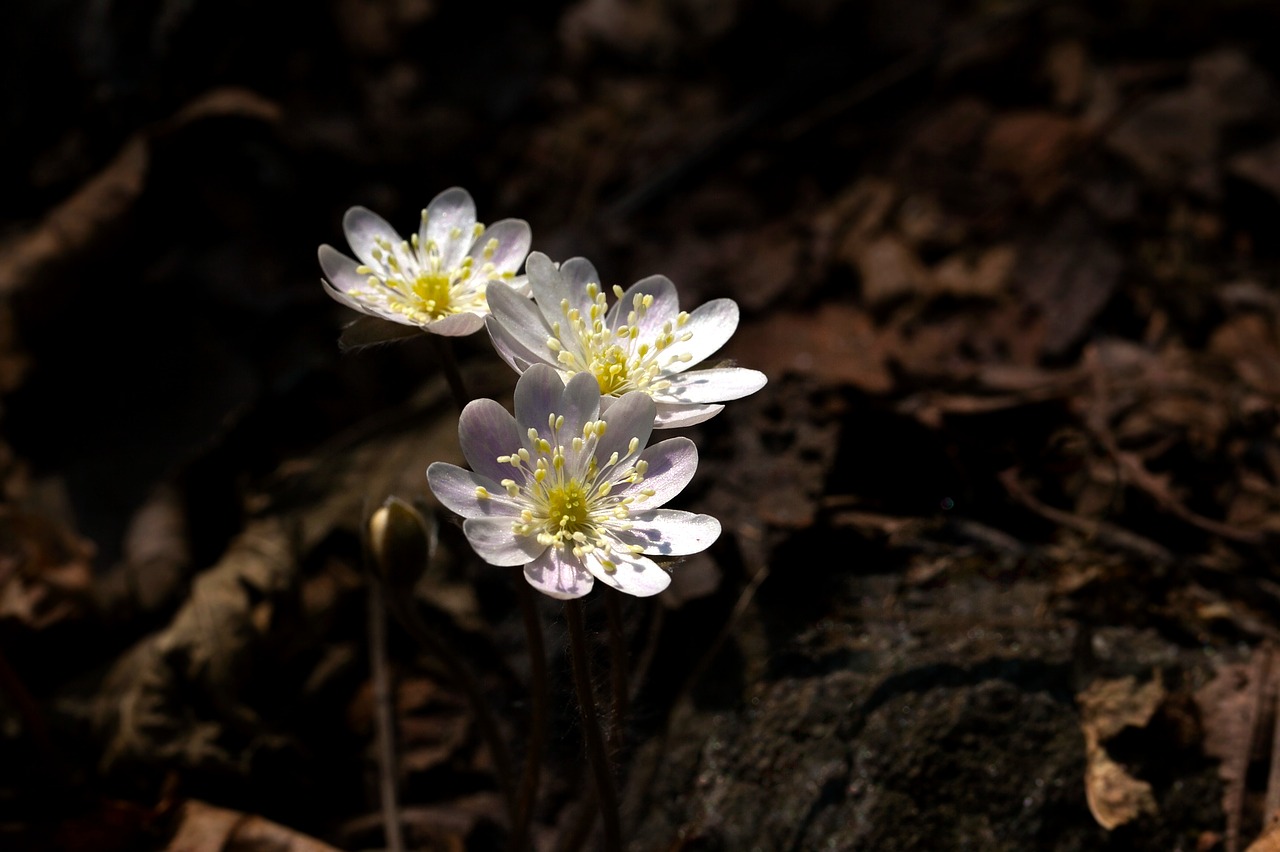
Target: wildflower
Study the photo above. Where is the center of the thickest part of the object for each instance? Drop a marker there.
(437, 279)
(644, 342)
(570, 492)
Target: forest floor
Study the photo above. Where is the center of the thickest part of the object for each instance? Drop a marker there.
(1001, 534)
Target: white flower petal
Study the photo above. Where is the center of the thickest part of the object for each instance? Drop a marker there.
(362, 226)
(710, 326)
(349, 301)
(575, 274)
(670, 532)
(522, 322)
(628, 416)
(451, 216)
(672, 464)
(486, 431)
(663, 310)
(556, 577)
(520, 284)
(340, 270)
(717, 384)
(514, 238)
(455, 325)
(581, 402)
(455, 488)
(493, 539)
(545, 282)
(629, 573)
(538, 393)
(678, 416)
(515, 353)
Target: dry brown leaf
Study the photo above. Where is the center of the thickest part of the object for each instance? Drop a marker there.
(837, 344)
(1069, 274)
(1106, 708)
(1260, 166)
(1229, 709)
(205, 828)
(1034, 147)
(985, 275)
(45, 569)
(890, 269)
(1269, 841)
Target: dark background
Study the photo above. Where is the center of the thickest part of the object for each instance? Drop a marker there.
(1010, 267)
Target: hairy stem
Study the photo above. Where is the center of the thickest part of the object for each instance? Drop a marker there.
(539, 689)
(606, 794)
(412, 622)
(618, 661)
(449, 363)
(384, 717)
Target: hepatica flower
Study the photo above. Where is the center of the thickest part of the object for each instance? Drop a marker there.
(643, 342)
(571, 492)
(439, 278)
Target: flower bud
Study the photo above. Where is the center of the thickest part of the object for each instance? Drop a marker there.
(400, 543)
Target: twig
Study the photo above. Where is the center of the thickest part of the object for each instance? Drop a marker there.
(1105, 532)
(384, 719)
(606, 794)
(539, 693)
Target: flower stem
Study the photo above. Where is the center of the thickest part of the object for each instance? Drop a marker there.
(412, 622)
(606, 794)
(618, 659)
(384, 716)
(449, 363)
(539, 688)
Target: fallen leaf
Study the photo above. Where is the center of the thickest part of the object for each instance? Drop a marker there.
(205, 828)
(1107, 707)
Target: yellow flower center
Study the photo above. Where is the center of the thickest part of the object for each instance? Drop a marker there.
(431, 293)
(566, 507)
(615, 353)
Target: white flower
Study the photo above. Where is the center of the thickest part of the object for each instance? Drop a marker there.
(437, 279)
(643, 342)
(569, 492)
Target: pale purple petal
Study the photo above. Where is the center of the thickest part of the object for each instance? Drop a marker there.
(455, 488)
(494, 540)
(678, 416)
(451, 210)
(538, 393)
(558, 577)
(545, 282)
(630, 573)
(520, 284)
(710, 326)
(349, 301)
(581, 403)
(486, 431)
(672, 464)
(455, 325)
(670, 532)
(514, 238)
(340, 270)
(716, 384)
(515, 353)
(628, 416)
(362, 226)
(522, 322)
(575, 274)
(663, 310)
